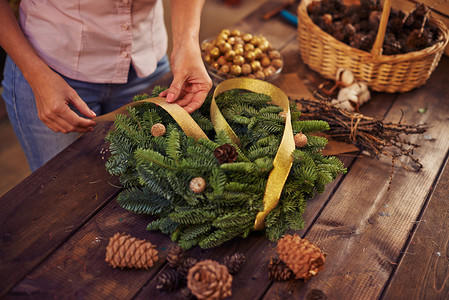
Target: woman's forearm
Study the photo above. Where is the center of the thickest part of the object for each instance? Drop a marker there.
(185, 20)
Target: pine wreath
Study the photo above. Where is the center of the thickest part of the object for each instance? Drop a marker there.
(156, 170)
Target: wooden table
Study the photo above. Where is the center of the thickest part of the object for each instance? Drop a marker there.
(56, 224)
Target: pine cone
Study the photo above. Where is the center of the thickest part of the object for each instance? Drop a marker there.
(278, 270)
(301, 256)
(168, 280)
(234, 262)
(209, 280)
(126, 251)
(183, 268)
(225, 153)
(175, 255)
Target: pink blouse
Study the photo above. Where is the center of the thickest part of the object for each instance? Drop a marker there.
(96, 40)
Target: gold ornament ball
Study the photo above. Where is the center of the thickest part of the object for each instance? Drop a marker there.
(225, 69)
(255, 40)
(225, 47)
(239, 60)
(300, 140)
(235, 70)
(246, 69)
(197, 185)
(268, 72)
(221, 60)
(207, 58)
(226, 32)
(230, 55)
(215, 65)
(204, 46)
(250, 56)
(256, 66)
(236, 32)
(215, 52)
(239, 51)
(223, 36)
(248, 47)
(219, 41)
(259, 53)
(263, 46)
(158, 129)
(247, 37)
(231, 40)
(238, 41)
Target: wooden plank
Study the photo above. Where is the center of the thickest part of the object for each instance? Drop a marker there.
(424, 268)
(252, 280)
(364, 227)
(43, 210)
(78, 269)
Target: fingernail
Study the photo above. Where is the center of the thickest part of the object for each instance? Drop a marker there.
(93, 113)
(170, 97)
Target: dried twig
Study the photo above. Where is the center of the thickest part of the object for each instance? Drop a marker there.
(375, 136)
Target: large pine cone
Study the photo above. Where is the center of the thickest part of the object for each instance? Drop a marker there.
(175, 255)
(301, 256)
(226, 153)
(234, 262)
(209, 279)
(125, 251)
(278, 270)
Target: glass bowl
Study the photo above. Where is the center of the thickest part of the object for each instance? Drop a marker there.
(218, 76)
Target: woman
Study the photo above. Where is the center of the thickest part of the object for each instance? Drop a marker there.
(69, 61)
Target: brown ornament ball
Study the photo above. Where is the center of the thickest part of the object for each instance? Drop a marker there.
(230, 55)
(221, 60)
(158, 129)
(215, 52)
(273, 54)
(300, 140)
(277, 63)
(248, 47)
(250, 56)
(236, 32)
(265, 61)
(246, 69)
(260, 75)
(197, 185)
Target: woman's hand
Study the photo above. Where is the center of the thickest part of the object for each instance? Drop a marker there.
(191, 83)
(53, 97)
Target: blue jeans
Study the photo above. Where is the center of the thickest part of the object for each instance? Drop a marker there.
(38, 141)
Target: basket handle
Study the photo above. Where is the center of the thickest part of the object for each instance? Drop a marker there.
(378, 43)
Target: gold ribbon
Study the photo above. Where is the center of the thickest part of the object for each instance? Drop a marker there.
(182, 117)
(283, 160)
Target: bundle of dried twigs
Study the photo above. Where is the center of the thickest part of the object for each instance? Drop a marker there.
(373, 135)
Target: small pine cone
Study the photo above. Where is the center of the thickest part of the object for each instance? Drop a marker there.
(209, 279)
(183, 269)
(234, 262)
(158, 129)
(125, 251)
(168, 280)
(225, 153)
(301, 256)
(278, 270)
(300, 140)
(197, 185)
(175, 255)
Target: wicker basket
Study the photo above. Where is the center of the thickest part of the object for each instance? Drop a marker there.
(389, 73)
